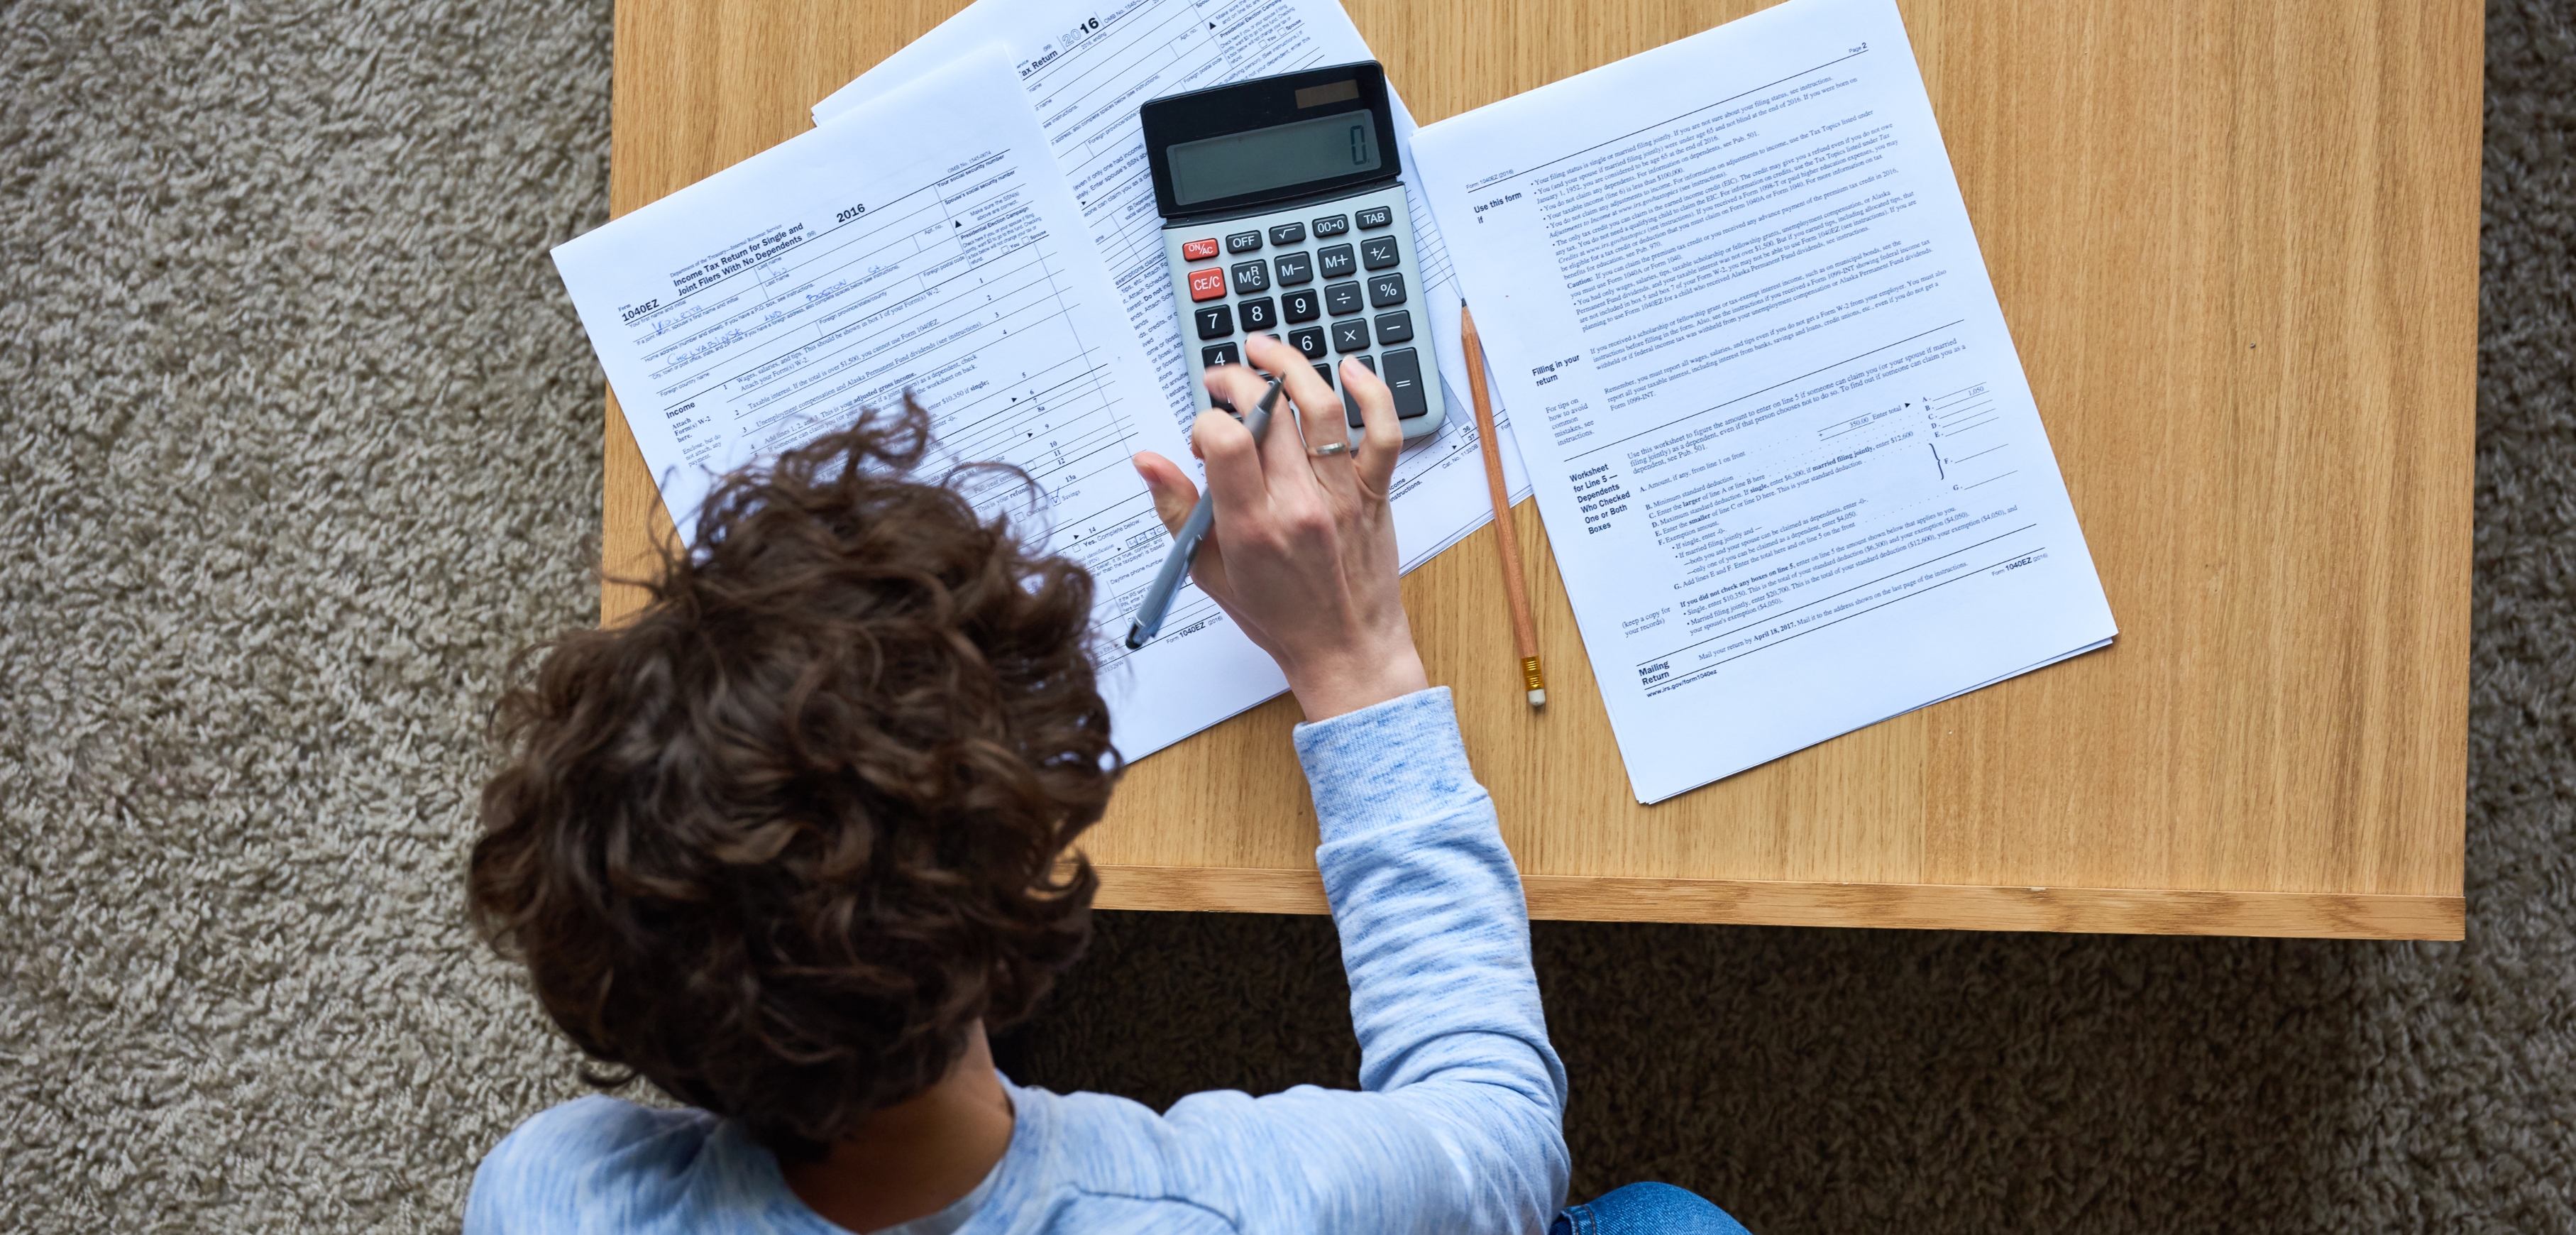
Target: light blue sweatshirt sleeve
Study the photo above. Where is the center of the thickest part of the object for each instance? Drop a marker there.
(1460, 1125)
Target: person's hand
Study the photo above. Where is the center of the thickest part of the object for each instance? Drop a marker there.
(1303, 552)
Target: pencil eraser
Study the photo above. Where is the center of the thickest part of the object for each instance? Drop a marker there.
(1538, 698)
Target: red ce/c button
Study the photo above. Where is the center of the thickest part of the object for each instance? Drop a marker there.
(1207, 284)
(1198, 250)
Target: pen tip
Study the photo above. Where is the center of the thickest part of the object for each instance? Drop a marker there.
(1135, 637)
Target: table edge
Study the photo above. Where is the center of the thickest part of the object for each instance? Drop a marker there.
(1908, 906)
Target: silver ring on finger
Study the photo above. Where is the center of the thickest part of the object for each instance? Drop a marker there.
(1328, 451)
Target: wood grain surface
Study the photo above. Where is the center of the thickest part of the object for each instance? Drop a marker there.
(2237, 246)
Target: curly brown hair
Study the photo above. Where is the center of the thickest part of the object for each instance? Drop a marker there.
(778, 841)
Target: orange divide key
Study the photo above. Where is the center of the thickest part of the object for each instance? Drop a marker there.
(1198, 250)
(1207, 284)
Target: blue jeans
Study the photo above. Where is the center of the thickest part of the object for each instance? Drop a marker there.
(1646, 1209)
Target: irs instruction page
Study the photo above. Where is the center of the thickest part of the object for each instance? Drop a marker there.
(1790, 466)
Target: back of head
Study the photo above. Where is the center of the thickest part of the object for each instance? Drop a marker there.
(778, 841)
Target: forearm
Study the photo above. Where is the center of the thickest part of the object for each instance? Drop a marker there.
(1462, 1127)
(1435, 938)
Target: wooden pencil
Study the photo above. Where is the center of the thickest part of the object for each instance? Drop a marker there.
(1506, 537)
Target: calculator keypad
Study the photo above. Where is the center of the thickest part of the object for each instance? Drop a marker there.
(1332, 300)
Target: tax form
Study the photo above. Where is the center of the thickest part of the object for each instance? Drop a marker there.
(1084, 68)
(1783, 443)
(926, 245)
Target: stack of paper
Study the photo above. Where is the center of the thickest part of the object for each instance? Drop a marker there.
(1788, 460)
(973, 221)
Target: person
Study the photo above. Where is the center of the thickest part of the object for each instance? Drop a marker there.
(794, 840)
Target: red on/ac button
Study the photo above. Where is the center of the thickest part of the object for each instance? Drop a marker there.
(1207, 284)
(1198, 250)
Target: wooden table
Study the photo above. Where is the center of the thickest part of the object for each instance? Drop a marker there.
(2238, 246)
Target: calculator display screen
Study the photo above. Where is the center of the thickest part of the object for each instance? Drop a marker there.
(1263, 159)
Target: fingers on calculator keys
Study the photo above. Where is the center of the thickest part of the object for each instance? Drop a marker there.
(1369, 363)
(1309, 397)
(1284, 451)
(1317, 412)
(1362, 396)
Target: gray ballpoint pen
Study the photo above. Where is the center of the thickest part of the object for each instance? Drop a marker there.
(1176, 564)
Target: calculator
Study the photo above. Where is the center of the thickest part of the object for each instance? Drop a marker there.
(1283, 214)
